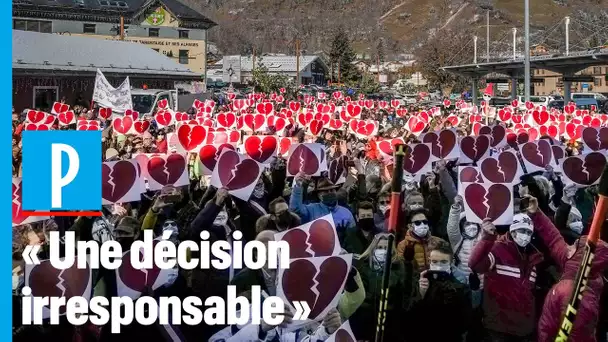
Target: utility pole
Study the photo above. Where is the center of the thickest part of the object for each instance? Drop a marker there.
(567, 36)
(122, 28)
(474, 49)
(253, 59)
(378, 65)
(514, 43)
(488, 36)
(527, 49)
(297, 63)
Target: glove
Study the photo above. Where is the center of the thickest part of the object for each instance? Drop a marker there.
(409, 252)
(474, 281)
(351, 284)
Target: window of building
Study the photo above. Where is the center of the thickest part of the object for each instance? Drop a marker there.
(183, 56)
(33, 25)
(88, 28)
(597, 70)
(44, 97)
(153, 32)
(597, 82)
(184, 34)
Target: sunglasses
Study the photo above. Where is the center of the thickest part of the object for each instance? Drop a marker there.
(419, 222)
(384, 202)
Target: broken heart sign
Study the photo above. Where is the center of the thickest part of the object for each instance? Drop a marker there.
(59, 108)
(503, 168)
(191, 137)
(261, 148)
(314, 239)
(131, 282)
(66, 118)
(474, 148)
(209, 154)
(337, 170)
(443, 143)
(418, 160)
(318, 281)
(536, 155)
(595, 139)
(415, 125)
(307, 158)
(236, 173)
(164, 118)
(343, 334)
(166, 169)
(121, 182)
(47, 281)
(489, 201)
(583, 170)
(468, 175)
(17, 200)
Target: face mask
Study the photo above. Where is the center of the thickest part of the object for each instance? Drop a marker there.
(283, 219)
(102, 230)
(383, 209)
(379, 258)
(421, 230)
(329, 199)
(258, 191)
(522, 240)
(576, 227)
(221, 219)
(171, 226)
(18, 280)
(471, 230)
(441, 268)
(523, 191)
(366, 224)
(416, 206)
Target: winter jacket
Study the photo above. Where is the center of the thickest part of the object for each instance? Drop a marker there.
(343, 218)
(355, 242)
(420, 249)
(401, 293)
(509, 282)
(448, 302)
(462, 247)
(557, 299)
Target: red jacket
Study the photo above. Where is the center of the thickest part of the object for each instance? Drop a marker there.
(557, 299)
(509, 280)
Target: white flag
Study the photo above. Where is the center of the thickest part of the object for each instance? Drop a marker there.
(118, 99)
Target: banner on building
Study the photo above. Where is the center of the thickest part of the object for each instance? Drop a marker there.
(104, 94)
(231, 69)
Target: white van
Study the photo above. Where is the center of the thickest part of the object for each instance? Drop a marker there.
(537, 100)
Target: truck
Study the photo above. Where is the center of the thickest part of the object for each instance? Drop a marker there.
(145, 101)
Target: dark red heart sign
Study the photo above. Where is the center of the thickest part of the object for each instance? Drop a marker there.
(318, 241)
(302, 277)
(490, 203)
(166, 170)
(302, 158)
(137, 279)
(475, 147)
(336, 170)
(585, 170)
(48, 281)
(209, 154)
(442, 143)
(538, 153)
(416, 157)
(596, 139)
(117, 180)
(501, 169)
(236, 171)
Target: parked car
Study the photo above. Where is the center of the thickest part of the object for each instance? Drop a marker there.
(536, 100)
(500, 102)
(557, 104)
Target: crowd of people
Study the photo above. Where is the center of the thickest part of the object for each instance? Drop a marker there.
(450, 280)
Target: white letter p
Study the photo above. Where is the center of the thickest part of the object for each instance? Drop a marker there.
(58, 181)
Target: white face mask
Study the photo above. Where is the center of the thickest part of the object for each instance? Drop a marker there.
(440, 267)
(421, 230)
(471, 230)
(522, 240)
(416, 206)
(576, 226)
(383, 209)
(380, 255)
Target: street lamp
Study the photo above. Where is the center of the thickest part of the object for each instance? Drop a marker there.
(527, 50)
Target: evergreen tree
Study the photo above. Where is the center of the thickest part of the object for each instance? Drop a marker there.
(342, 55)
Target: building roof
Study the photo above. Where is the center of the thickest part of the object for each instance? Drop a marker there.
(59, 53)
(277, 63)
(109, 11)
